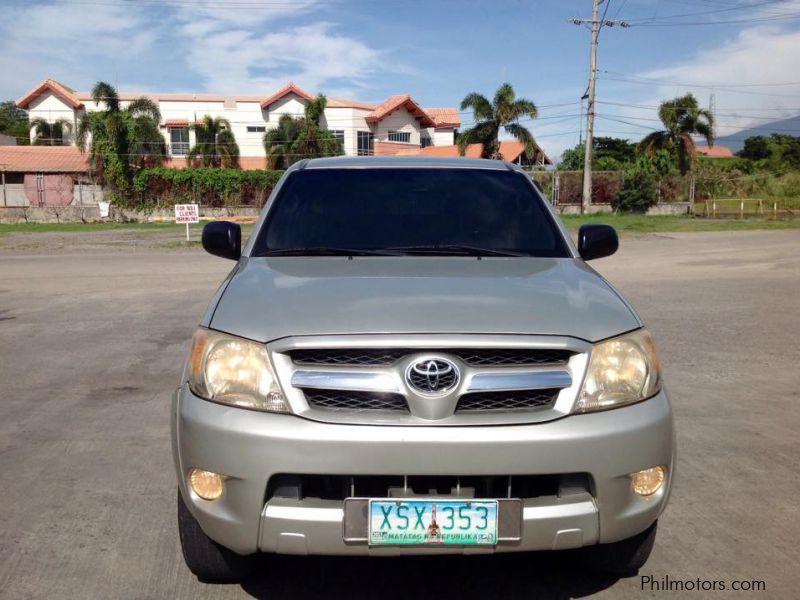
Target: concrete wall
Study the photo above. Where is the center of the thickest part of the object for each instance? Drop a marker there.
(677, 208)
(89, 214)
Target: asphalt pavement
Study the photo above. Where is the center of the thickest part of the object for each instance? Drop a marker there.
(92, 335)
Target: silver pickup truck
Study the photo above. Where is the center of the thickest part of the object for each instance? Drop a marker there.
(412, 357)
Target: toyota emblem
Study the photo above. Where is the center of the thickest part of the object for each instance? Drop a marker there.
(432, 376)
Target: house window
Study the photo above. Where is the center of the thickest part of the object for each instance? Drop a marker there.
(365, 139)
(425, 140)
(179, 141)
(339, 135)
(256, 128)
(400, 136)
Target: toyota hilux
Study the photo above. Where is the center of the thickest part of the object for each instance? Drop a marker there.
(412, 356)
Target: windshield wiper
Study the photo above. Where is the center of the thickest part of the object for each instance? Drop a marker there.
(329, 251)
(454, 250)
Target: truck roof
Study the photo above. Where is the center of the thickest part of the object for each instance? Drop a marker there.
(345, 162)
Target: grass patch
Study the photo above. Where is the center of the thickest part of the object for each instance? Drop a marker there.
(659, 223)
(78, 227)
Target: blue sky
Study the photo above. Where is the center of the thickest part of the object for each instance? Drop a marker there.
(435, 50)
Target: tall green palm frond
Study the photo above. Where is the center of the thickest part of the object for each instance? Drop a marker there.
(50, 134)
(682, 118)
(503, 112)
(105, 92)
(215, 143)
(278, 143)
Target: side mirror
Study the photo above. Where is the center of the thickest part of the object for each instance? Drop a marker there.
(597, 241)
(223, 238)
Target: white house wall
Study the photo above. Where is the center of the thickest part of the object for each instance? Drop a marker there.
(399, 120)
(443, 137)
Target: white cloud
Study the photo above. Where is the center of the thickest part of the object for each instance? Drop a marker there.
(312, 55)
(759, 56)
(63, 42)
(227, 46)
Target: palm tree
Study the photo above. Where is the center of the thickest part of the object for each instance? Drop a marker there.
(50, 134)
(313, 141)
(119, 140)
(505, 112)
(279, 143)
(216, 145)
(682, 117)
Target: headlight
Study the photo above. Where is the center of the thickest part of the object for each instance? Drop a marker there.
(234, 371)
(621, 371)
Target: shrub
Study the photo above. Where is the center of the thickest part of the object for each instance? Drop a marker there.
(638, 192)
(161, 187)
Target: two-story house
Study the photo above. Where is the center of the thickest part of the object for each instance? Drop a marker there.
(398, 124)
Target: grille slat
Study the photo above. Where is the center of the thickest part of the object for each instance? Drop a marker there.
(354, 401)
(475, 357)
(507, 401)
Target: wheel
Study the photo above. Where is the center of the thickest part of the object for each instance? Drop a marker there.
(205, 558)
(625, 557)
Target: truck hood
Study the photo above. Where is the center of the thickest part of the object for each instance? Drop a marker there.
(271, 298)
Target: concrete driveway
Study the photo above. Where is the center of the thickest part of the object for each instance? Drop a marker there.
(91, 341)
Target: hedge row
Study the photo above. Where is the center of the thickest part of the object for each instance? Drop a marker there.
(163, 187)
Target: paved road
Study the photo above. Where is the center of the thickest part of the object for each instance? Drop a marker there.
(91, 338)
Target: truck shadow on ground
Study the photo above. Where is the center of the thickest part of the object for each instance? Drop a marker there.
(527, 575)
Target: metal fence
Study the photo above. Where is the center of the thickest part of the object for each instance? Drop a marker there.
(566, 187)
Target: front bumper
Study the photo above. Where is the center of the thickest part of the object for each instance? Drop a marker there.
(249, 447)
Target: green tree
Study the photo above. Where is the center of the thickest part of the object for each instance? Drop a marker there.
(278, 143)
(50, 134)
(639, 191)
(774, 151)
(682, 118)
(609, 154)
(216, 145)
(314, 141)
(14, 122)
(504, 112)
(756, 147)
(119, 140)
(294, 139)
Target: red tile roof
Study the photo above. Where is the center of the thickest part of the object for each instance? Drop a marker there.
(289, 88)
(43, 159)
(176, 123)
(391, 104)
(62, 91)
(714, 151)
(509, 151)
(342, 103)
(444, 117)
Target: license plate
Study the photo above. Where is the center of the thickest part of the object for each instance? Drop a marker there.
(414, 522)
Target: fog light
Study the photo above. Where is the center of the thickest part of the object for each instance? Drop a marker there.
(649, 481)
(206, 484)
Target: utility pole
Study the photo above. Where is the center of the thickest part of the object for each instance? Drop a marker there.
(596, 24)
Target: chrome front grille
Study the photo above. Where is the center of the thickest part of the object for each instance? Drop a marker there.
(442, 379)
(503, 401)
(475, 357)
(352, 357)
(355, 401)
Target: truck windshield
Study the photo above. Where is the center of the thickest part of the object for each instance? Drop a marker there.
(415, 211)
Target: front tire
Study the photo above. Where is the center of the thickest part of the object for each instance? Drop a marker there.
(625, 557)
(206, 558)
